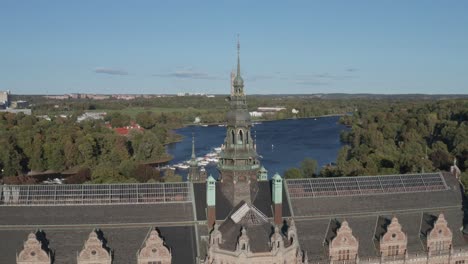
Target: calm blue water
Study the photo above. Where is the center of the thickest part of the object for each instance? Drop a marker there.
(293, 141)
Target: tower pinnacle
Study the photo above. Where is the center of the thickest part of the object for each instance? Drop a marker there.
(193, 147)
(238, 81)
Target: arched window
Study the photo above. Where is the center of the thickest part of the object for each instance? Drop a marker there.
(241, 136)
(233, 137)
(247, 138)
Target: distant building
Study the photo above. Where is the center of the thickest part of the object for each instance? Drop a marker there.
(125, 131)
(16, 111)
(270, 109)
(256, 114)
(20, 104)
(5, 98)
(91, 116)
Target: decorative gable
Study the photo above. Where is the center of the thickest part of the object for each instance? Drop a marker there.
(344, 246)
(33, 253)
(94, 251)
(154, 250)
(439, 239)
(394, 242)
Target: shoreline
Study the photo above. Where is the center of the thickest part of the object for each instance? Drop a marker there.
(261, 120)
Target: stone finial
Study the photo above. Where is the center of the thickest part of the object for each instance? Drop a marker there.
(292, 231)
(243, 241)
(276, 239)
(216, 236)
(154, 250)
(33, 252)
(94, 250)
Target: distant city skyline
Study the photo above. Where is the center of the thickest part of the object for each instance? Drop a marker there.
(166, 47)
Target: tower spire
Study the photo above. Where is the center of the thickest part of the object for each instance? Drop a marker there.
(238, 55)
(238, 83)
(193, 146)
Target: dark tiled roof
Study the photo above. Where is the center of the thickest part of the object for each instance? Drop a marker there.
(223, 207)
(124, 243)
(95, 214)
(380, 203)
(314, 233)
(259, 231)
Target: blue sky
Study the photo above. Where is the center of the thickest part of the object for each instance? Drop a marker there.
(55, 47)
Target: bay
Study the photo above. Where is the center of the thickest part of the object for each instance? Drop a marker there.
(282, 144)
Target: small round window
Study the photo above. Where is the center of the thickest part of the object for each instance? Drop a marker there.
(93, 252)
(153, 250)
(32, 253)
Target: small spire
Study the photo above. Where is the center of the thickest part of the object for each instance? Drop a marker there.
(193, 146)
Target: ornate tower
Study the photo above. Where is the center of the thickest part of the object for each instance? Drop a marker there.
(239, 163)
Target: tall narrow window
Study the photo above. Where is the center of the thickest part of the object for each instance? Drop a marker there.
(233, 137)
(241, 136)
(247, 138)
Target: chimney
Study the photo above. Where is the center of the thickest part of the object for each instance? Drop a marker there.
(277, 198)
(210, 201)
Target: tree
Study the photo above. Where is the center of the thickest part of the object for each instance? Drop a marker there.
(293, 173)
(309, 168)
(146, 119)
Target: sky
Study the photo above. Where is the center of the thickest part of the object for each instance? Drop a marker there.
(302, 47)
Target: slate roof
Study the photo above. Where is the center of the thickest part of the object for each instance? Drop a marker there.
(382, 203)
(126, 226)
(96, 214)
(224, 207)
(259, 231)
(317, 218)
(124, 242)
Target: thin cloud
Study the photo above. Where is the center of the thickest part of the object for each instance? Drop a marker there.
(189, 74)
(258, 77)
(311, 82)
(111, 71)
(352, 70)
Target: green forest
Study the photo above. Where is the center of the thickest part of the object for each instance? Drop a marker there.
(385, 135)
(35, 144)
(393, 137)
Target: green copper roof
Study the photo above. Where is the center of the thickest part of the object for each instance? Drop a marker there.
(210, 179)
(277, 177)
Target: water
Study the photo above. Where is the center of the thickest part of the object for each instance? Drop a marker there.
(282, 144)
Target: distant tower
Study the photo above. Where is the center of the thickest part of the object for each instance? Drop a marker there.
(239, 162)
(194, 173)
